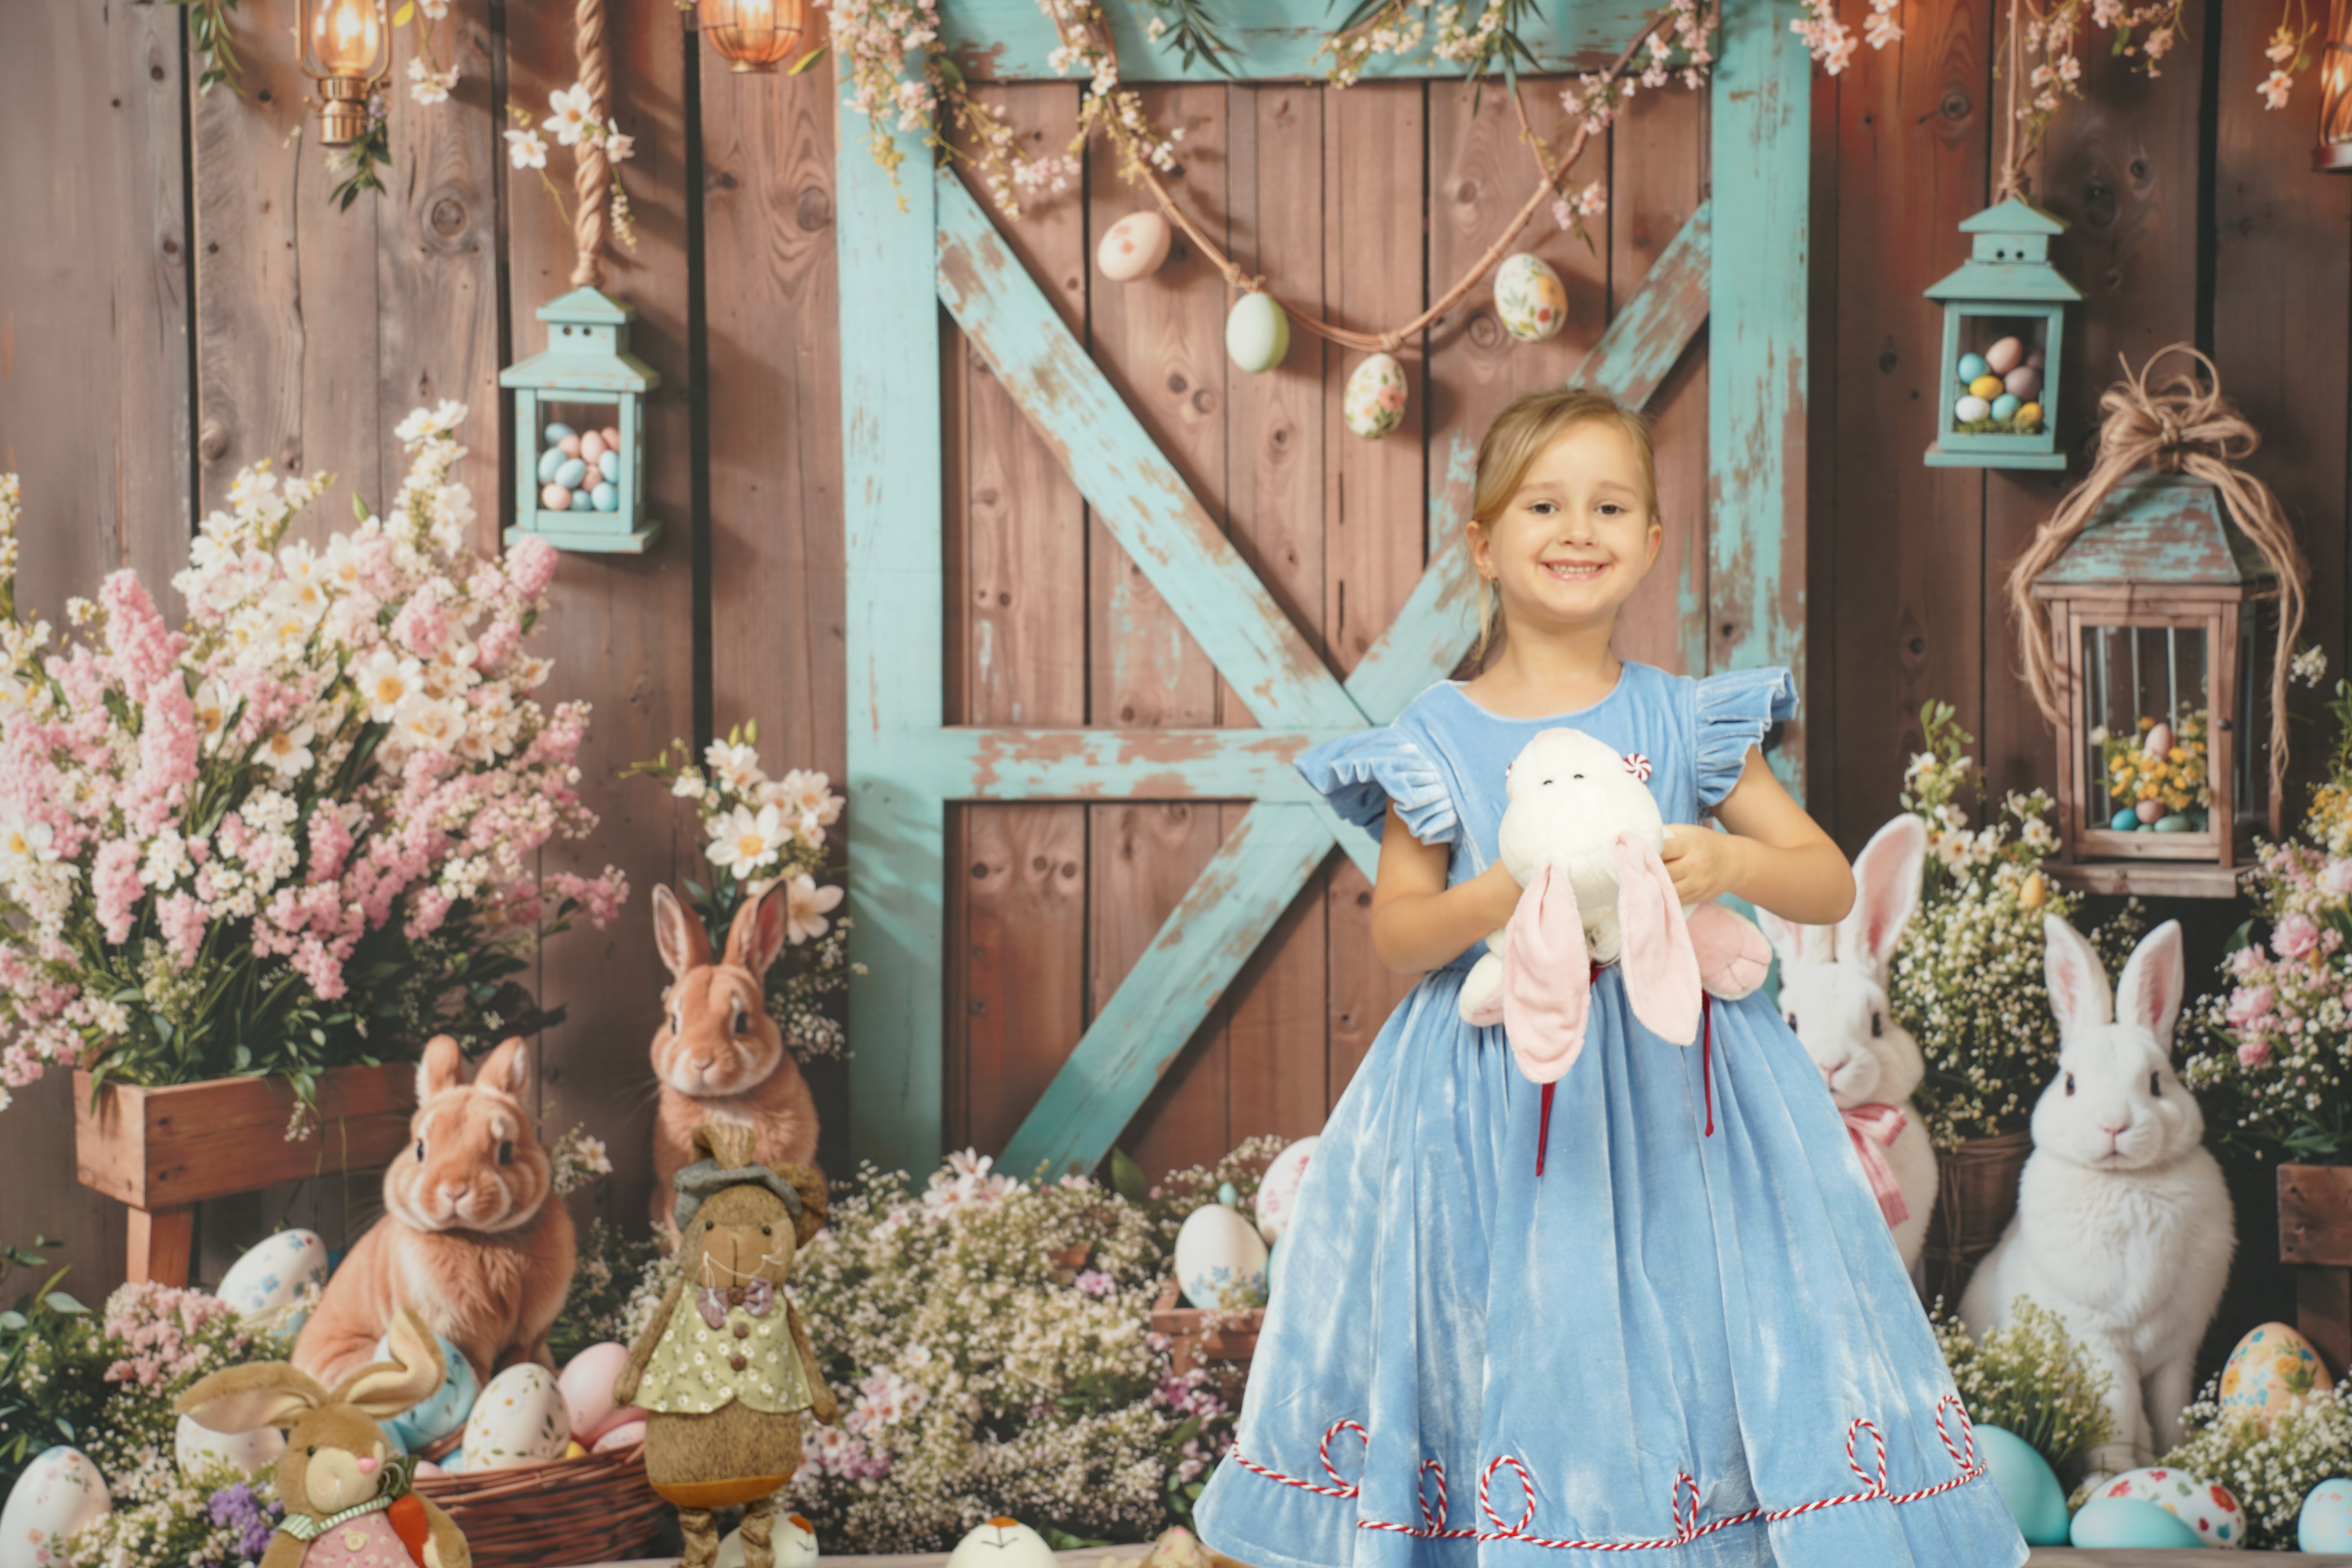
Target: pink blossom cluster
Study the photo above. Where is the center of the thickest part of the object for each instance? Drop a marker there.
(160, 1329)
(339, 738)
(1599, 97)
(2293, 990)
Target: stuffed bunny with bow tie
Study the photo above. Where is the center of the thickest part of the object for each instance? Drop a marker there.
(725, 1382)
(1582, 834)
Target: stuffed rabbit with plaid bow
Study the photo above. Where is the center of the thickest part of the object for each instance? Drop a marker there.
(1582, 834)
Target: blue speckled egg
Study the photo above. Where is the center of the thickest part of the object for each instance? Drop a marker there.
(605, 498)
(556, 433)
(2026, 1484)
(2128, 1522)
(1972, 366)
(608, 463)
(2325, 1523)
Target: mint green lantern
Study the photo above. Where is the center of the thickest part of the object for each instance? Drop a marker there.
(589, 389)
(2005, 328)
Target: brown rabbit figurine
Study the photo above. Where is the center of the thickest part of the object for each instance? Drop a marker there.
(718, 1054)
(724, 1381)
(471, 1235)
(348, 1503)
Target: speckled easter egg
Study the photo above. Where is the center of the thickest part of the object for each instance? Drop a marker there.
(1374, 401)
(1220, 1254)
(1133, 247)
(1257, 335)
(1277, 1189)
(1970, 409)
(2325, 1523)
(246, 1453)
(272, 1273)
(2004, 356)
(519, 1420)
(2106, 1521)
(446, 1408)
(2205, 1507)
(2270, 1370)
(1002, 1542)
(59, 1492)
(1529, 298)
(2026, 1483)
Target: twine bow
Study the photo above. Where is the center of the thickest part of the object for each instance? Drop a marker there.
(2183, 424)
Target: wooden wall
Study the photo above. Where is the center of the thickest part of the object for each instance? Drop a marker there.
(177, 298)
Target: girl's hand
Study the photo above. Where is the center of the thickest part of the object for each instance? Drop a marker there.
(1704, 864)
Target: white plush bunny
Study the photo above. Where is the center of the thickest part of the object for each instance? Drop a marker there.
(1833, 993)
(2123, 1226)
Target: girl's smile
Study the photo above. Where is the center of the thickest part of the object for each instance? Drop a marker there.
(1577, 536)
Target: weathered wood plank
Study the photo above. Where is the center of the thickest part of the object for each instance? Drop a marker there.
(892, 529)
(1147, 505)
(1139, 1032)
(1756, 341)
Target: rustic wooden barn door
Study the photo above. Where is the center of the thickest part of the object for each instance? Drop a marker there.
(1150, 509)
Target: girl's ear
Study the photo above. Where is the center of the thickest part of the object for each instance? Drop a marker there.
(1657, 543)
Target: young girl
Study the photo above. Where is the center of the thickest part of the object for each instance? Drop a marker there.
(1690, 1345)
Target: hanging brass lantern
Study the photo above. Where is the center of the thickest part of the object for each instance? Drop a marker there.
(346, 48)
(754, 35)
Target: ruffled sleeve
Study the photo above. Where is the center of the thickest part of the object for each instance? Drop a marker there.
(1361, 774)
(1735, 710)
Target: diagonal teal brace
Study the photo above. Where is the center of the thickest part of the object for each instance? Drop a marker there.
(1440, 618)
(1133, 488)
(1162, 1004)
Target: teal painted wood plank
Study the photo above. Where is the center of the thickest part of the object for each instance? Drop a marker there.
(1762, 159)
(892, 520)
(1134, 490)
(1140, 1033)
(1440, 617)
(1011, 40)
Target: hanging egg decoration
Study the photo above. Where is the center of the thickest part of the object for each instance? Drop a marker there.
(1374, 401)
(1529, 298)
(1257, 335)
(1133, 247)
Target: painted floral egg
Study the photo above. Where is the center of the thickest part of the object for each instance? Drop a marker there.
(2128, 1522)
(1277, 1189)
(1257, 335)
(2027, 1484)
(1219, 1255)
(445, 1410)
(1529, 298)
(1133, 247)
(2324, 1524)
(1374, 401)
(519, 1420)
(248, 1452)
(795, 1540)
(2271, 1368)
(272, 1273)
(2004, 356)
(2205, 1507)
(59, 1492)
(620, 1437)
(587, 1383)
(1002, 1542)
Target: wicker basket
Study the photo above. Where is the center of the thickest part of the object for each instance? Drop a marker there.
(1976, 1193)
(599, 1509)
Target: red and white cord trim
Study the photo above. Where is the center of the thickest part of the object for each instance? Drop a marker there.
(1687, 1527)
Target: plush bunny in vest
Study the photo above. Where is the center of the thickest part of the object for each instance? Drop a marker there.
(1583, 835)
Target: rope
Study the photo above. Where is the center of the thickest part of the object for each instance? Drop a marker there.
(2184, 425)
(591, 179)
(2013, 183)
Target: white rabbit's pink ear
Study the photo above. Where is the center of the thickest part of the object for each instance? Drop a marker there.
(1797, 945)
(1547, 978)
(1886, 877)
(1661, 966)
(2077, 980)
(2148, 995)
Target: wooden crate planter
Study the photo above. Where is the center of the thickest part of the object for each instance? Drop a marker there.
(1193, 1348)
(2316, 1235)
(163, 1151)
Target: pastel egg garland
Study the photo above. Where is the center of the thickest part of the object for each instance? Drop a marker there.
(1529, 298)
(1374, 401)
(580, 471)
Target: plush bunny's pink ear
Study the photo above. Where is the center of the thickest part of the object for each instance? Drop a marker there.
(1661, 967)
(1547, 978)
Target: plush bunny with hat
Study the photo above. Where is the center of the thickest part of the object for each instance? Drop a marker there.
(725, 1369)
(1583, 835)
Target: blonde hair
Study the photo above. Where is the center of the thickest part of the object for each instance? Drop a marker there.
(1526, 425)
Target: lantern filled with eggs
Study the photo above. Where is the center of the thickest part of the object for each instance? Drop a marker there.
(580, 430)
(2004, 327)
(2163, 619)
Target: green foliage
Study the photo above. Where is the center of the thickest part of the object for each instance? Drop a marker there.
(34, 1418)
(208, 37)
(2270, 1466)
(2030, 1379)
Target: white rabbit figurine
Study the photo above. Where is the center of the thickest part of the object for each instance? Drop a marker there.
(1833, 993)
(2123, 1226)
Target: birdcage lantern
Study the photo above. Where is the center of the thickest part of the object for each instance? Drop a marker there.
(580, 430)
(2004, 330)
(2332, 155)
(2162, 616)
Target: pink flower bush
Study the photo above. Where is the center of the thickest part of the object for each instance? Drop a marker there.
(312, 812)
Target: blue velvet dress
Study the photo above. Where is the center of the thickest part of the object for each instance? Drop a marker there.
(1690, 1346)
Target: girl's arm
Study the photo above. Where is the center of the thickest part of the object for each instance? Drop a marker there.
(1419, 923)
(1773, 855)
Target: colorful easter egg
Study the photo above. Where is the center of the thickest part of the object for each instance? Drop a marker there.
(2005, 407)
(609, 464)
(1985, 387)
(248, 1452)
(605, 498)
(628, 1434)
(570, 472)
(2128, 1522)
(2004, 356)
(558, 434)
(569, 446)
(2205, 1507)
(548, 461)
(272, 1273)
(1970, 367)
(427, 1467)
(1220, 1259)
(592, 446)
(2325, 1523)
(556, 497)
(1373, 404)
(1277, 1189)
(1134, 247)
(2026, 1483)
(2022, 383)
(1970, 409)
(2176, 823)
(2147, 811)
(1529, 298)
(2124, 821)
(587, 1383)
(2038, 360)
(2273, 1367)
(519, 1420)
(2029, 416)
(59, 1492)
(444, 1410)
(1257, 335)
(2157, 741)
(612, 435)
(1002, 1542)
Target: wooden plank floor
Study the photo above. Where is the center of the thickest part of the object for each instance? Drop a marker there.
(2042, 1557)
